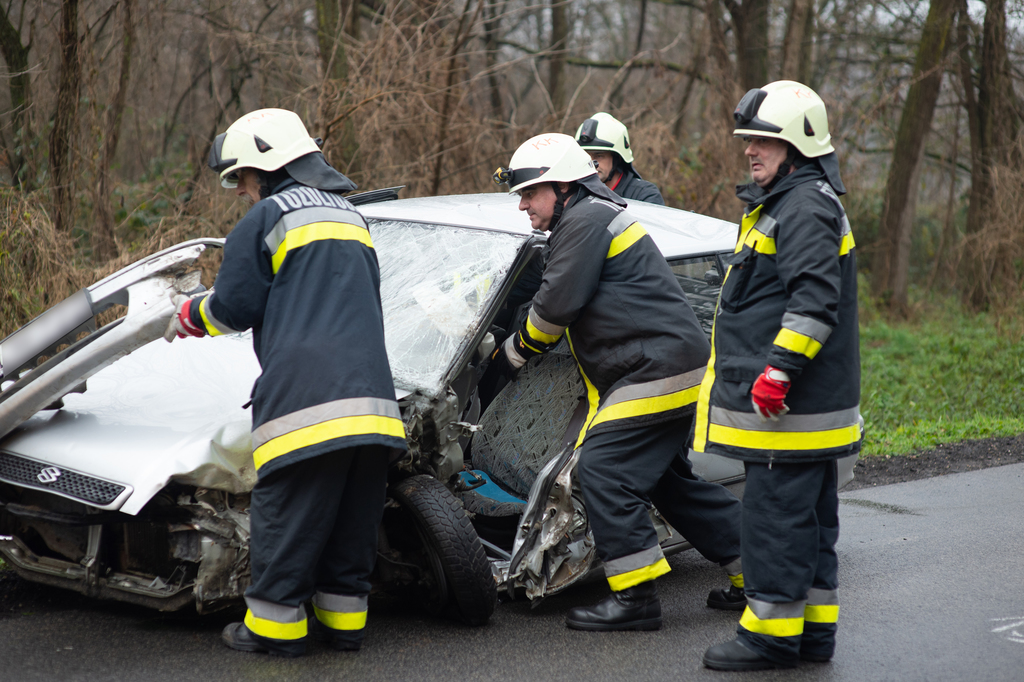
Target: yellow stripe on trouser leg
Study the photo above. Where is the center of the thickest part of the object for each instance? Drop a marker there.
(341, 621)
(821, 613)
(773, 627)
(624, 581)
(274, 630)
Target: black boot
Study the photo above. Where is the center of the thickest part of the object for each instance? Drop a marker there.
(731, 599)
(339, 640)
(635, 608)
(239, 637)
(734, 655)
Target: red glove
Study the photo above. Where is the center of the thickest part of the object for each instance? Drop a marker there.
(181, 324)
(768, 393)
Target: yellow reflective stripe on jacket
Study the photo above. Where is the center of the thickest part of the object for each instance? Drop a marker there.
(821, 613)
(273, 629)
(214, 327)
(340, 621)
(536, 333)
(307, 234)
(773, 627)
(703, 418)
(846, 244)
(325, 431)
(624, 581)
(642, 406)
(797, 342)
(593, 398)
(630, 236)
(782, 440)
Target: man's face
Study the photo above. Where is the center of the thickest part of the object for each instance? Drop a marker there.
(605, 162)
(539, 203)
(766, 154)
(248, 185)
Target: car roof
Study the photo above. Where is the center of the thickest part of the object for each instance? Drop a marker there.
(677, 233)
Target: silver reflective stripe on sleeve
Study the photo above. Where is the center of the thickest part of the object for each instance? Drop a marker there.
(620, 223)
(797, 423)
(632, 562)
(766, 225)
(311, 416)
(513, 356)
(653, 389)
(307, 216)
(211, 321)
(808, 326)
(545, 326)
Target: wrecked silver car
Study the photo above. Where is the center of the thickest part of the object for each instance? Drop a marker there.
(120, 480)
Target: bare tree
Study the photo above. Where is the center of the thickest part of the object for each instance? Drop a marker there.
(65, 119)
(20, 86)
(891, 267)
(103, 242)
(796, 44)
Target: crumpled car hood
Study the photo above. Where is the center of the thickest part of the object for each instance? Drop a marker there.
(165, 412)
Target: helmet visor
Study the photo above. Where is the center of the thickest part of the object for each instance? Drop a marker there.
(746, 113)
(216, 161)
(588, 135)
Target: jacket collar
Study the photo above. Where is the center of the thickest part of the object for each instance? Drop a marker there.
(754, 196)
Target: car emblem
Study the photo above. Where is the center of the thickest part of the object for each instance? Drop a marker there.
(49, 475)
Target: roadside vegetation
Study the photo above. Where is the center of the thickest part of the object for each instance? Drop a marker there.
(944, 376)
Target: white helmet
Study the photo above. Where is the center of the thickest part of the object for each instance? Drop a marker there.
(789, 111)
(266, 139)
(604, 133)
(551, 157)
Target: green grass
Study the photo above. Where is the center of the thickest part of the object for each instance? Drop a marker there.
(945, 377)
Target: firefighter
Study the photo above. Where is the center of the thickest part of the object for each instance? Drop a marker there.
(641, 354)
(607, 141)
(782, 389)
(300, 271)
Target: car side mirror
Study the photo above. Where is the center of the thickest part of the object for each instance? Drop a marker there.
(712, 278)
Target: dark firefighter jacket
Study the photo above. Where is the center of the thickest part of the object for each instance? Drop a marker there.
(638, 345)
(789, 300)
(632, 186)
(300, 271)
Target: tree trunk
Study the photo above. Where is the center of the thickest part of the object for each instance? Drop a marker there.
(993, 131)
(104, 245)
(793, 52)
(556, 65)
(20, 86)
(65, 119)
(330, 21)
(492, 25)
(806, 64)
(900, 203)
(750, 29)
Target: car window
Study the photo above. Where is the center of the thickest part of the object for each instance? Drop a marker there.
(701, 280)
(435, 282)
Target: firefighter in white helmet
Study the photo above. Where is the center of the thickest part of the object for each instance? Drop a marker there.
(300, 271)
(606, 139)
(783, 389)
(641, 353)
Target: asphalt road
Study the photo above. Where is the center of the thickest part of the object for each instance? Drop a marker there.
(930, 590)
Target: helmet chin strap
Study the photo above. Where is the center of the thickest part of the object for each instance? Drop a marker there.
(560, 199)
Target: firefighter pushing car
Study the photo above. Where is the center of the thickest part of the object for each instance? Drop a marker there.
(300, 271)
(641, 354)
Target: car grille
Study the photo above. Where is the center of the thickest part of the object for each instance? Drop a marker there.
(27, 472)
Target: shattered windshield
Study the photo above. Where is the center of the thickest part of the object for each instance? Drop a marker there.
(435, 281)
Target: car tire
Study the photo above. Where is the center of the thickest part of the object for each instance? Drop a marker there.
(462, 584)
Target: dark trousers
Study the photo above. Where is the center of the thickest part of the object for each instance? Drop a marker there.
(314, 528)
(623, 472)
(790, 529)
